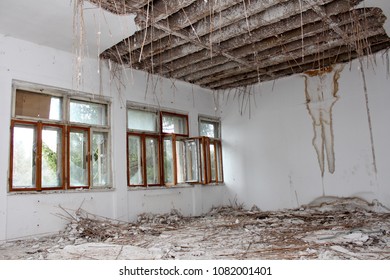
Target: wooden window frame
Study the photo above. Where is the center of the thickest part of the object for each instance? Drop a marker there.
(143, 137)
(210, 120)
(66, 126)
(165, 113)
(217, 143)
(38, 160)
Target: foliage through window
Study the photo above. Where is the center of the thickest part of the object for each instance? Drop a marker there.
(56, 136)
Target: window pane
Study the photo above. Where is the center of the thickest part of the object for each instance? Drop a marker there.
(180, 159)
(219, 163)
(192, 162)
(209, 129)
(24, 153)
(78, 158)
(100, 165)
(212, 162)
(168, 161)
(51, 157)
(141, 120)
(152, 162)
(88, 113)
(203, 165)
(37, 105)
(174, 124)
(135, 160)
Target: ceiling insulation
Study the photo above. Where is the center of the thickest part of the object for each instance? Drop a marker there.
(222, 44)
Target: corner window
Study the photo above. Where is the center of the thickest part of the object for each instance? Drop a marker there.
(55, 136)
(209, 128)
(172, 123)
(210, 131)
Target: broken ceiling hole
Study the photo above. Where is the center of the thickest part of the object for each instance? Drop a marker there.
(234, 43)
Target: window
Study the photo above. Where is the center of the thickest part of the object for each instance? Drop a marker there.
(143, 148)
(58, 141)
(175, 131)
(209, 130)
(160, 151)
(172, 123)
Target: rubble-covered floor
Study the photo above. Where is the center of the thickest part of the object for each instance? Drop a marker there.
(326, 229)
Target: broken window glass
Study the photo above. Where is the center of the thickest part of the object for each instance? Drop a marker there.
(78, 158)
(100, 163)
(88, 112)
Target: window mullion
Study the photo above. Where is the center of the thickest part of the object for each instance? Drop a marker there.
(220, 162)
(89, 156)
(216, 161)
(208, 160)
(38, 158)
(174, 159)
(143, 160)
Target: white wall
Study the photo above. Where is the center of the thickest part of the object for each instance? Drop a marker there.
(270, 160)
(35, 213)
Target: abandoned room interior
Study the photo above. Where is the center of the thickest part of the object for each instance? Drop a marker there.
(194, 129)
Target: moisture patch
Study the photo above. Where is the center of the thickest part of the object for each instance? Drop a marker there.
(321, 88)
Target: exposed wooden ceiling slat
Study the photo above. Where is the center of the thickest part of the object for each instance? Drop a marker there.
(315, 43)
(223, 44)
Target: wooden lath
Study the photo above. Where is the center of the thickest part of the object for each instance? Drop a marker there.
(223, 44)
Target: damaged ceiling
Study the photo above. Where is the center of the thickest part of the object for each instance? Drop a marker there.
(235, 43)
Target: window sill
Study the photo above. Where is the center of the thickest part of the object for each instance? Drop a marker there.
(94, 190)
(179, 186)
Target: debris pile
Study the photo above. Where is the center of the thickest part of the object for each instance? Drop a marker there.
(325, 229)
(172, 218)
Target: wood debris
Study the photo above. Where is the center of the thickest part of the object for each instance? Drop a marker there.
(328, 229)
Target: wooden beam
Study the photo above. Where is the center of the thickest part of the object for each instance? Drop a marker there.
(272, 15)
(313, 60)
(293, 70)
(121, 7)
(269, 50)
(268, 31)
(272, 45)
(147, 37)
(160, 10)
(329, 42)
(201, 26)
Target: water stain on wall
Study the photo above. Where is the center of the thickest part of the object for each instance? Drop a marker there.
(321, 88)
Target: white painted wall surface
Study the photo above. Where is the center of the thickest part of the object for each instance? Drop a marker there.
(270, 161)
(31, 214)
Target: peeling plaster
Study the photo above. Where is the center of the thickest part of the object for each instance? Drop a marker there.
(321, 88)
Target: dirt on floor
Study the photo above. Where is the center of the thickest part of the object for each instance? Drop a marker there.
(328, 228)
